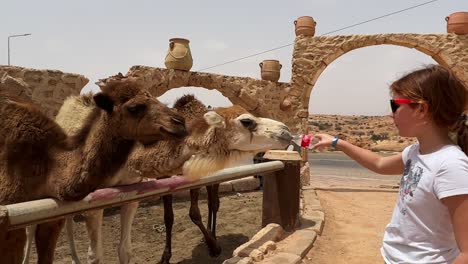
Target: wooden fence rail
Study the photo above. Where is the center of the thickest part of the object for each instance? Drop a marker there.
(280, 203)
(32, 212)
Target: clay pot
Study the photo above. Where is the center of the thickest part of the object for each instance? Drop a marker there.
(270, 70)
(305, 25)
(457, 23)
(179, 56)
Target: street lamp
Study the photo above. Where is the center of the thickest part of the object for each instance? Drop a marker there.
(14, 36)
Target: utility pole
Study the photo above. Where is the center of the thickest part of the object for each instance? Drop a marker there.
(14, 36)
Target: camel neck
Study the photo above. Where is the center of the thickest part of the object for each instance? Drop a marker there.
(102, 156)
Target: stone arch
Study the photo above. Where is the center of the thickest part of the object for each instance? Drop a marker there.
(313, 54)
(356, 83)
(260, 97)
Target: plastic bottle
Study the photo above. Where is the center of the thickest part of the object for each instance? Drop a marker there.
(302, 140)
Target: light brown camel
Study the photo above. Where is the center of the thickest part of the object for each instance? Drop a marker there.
(46, 167)
(217, 139)
(243, 136)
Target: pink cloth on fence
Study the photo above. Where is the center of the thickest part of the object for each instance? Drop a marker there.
(138, 188)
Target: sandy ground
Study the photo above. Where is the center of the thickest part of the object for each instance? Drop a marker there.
(355, 219)
(239, 219)
(356, 211)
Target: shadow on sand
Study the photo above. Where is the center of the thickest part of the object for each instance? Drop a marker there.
(228, 244)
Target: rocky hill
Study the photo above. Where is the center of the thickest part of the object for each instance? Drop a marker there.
(377, 133)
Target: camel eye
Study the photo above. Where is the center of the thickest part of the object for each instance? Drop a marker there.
(248, 123)
(136, 109)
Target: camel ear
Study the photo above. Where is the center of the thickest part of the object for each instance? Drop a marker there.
(104, 102)
(214, 119)
(100, 83)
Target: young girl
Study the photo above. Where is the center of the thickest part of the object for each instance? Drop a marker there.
(430, 221)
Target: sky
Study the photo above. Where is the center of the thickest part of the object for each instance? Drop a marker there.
(101, 38)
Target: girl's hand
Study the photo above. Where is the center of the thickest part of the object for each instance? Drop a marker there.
(324, 141)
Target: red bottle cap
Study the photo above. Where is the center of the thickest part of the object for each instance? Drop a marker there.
(306, 141)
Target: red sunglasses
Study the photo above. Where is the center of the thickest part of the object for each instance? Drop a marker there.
(395, 103)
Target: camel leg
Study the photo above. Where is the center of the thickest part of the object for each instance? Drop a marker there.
(12, 245)
(168, 222)
(71, 239)
(94, 227)
(46, 239)
(213, 207)
(127, 214)
(209, 191)
(30, 232)
(195, 216)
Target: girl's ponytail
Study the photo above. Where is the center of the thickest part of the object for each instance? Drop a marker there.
(462, 133)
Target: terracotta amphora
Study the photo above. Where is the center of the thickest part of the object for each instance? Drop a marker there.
(179, 56)
(270, 70)
(457, 23)
(305, 25)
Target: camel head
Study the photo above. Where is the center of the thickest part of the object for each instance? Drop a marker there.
(248, 133)
(135, 113)
(226, 137)
(217, 139)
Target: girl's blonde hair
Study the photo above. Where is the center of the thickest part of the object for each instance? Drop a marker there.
(445, 95)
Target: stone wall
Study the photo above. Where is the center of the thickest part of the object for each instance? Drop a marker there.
(48, 88)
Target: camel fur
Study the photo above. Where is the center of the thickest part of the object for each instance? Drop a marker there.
(217, 139)
(52, 164)
(73, 113)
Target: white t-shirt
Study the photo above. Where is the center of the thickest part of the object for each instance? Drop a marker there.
(420, 230)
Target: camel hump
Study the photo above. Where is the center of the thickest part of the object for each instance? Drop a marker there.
(74, 111)
(184, 101)
(189, 106)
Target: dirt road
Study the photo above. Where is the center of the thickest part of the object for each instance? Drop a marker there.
(356, 213)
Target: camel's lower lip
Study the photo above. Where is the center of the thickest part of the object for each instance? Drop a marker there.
(178, 134)
(149, 140)
(164, 134)
(285, 139)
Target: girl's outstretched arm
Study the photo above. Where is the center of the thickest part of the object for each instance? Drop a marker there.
(372, 161)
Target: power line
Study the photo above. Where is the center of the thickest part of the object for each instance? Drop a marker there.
(249, 56)
(333, 31)
(386, 15)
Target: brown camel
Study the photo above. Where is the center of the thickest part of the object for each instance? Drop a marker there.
(51, 164)
(217, 139)
(34, 132)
